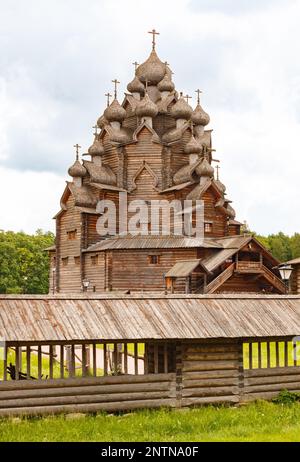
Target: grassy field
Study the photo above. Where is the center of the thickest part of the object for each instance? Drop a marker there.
(261, 421)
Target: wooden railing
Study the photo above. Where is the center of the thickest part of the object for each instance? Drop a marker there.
(249, 266)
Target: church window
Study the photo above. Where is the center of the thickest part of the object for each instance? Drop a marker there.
(72, 234)
(153, 259)
(208, 227)
(65, 261)
(77, 260)
(94, 260)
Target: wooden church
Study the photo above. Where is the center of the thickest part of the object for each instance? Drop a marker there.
(153, 146)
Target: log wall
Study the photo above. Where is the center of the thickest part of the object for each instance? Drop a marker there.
(210, 373)
(268, 382)
(115, 393)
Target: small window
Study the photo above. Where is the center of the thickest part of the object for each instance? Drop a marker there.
(94, 260)
(77, 260)
(154, 259)
(72, 234)
(208, 227)
(65, 261)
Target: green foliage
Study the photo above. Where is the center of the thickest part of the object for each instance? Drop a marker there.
(286, 397)
(283, 247)
(24, 265)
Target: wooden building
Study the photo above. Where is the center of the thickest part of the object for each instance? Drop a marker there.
(295, 277)
(153, 146)
(90, 353)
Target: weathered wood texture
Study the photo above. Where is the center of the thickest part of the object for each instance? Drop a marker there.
(266, 383)
(295, 279)
(210, 373)
(87, 394)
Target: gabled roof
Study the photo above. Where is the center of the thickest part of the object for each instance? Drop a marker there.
(76, 317)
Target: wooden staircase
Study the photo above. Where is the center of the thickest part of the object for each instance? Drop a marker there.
(219, 280)
(245, 268)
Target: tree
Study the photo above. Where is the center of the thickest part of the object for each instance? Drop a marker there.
(24, 265)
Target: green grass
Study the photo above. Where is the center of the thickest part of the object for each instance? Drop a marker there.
(260, 421)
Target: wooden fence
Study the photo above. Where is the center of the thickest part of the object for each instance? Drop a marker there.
(146, 375)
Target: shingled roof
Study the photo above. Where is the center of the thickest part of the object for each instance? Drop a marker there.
(116, 318)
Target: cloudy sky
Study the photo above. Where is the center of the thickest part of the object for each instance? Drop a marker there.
(57, 61)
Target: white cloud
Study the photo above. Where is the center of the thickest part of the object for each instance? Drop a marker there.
(59, 59)
(29, 200)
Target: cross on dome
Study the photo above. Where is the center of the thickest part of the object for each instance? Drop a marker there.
(154, 33)
(108, 95)
(116, 82)
(198, 95)
(77, 150)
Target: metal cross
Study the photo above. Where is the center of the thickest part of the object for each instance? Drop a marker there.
(198, 95)
(77, 150)
(96, 130)
(187, 97)
(116, 82)
(108, 95)
(136, 64)
(218, 168)
(154, 33)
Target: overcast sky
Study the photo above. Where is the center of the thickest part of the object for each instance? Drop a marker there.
(58, 58)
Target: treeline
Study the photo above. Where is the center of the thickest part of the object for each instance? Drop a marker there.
(24, 265)
(280, 245)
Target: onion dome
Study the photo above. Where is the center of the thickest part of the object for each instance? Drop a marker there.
(146, 107)
(115, 112)
(166, 84)
(136, 86)
(205, 169)
(102, 121)
(97, 148)
(230, 211)
(200, 117)
(193, 147)
(153, 70)
(181, 109)
(77, 170)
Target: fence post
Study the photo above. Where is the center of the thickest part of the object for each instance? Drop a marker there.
(179, 362)
(241, 377)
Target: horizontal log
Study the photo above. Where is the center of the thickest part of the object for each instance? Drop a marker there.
(209, 382)
(211, 356)
(84, 390)
(256, 396)
(82, 399)
(199, 375)
(98, 407)
(210, 391)
(271, 380)
(206, 348)
(209, 400)
(273, 387)
(75, 382)
(267, 372)
(189, 366)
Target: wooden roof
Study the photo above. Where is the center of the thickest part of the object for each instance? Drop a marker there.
(111, 317)
(296, 261)
(152, 242)
(182, 269)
